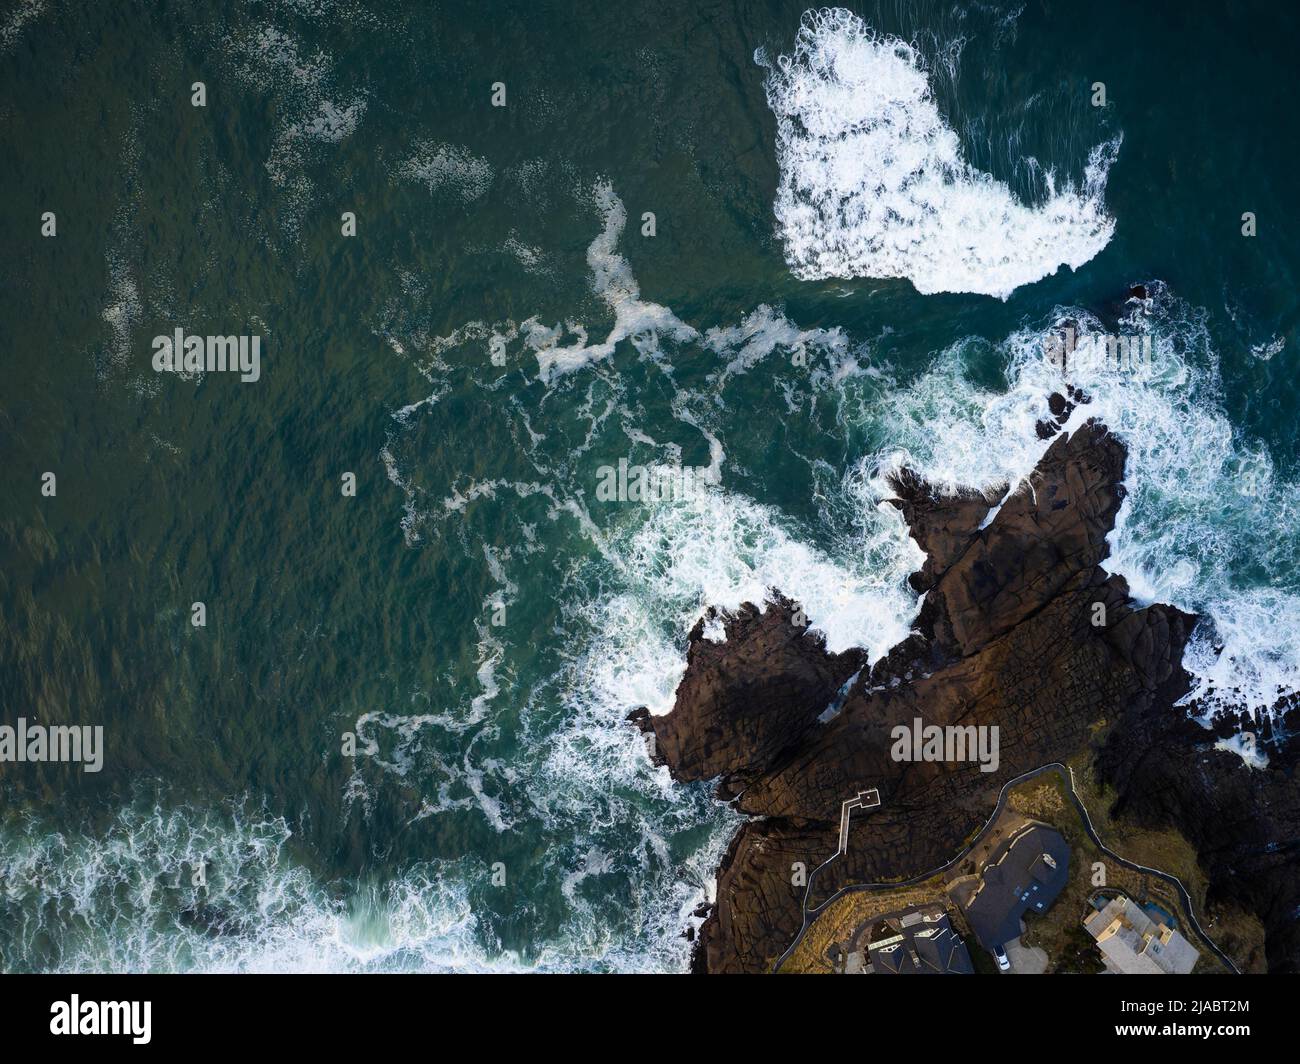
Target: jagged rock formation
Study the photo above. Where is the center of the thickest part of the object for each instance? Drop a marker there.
(749, 698)
(1020, 629)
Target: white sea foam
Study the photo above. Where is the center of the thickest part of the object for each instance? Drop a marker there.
(760, 334)
(532, 259)
(330, 123)
(16, 20)
(643, 323)
(1265, 351)
(1207, 525)
(122, 898)
(315, 110)
(873, 182)
(123, 312)
(448, 169)
(719, 548)
(108, 900)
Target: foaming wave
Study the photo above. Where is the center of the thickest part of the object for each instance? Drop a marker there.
(874, 184)
(723, 549)
(627, 617)
(1250, 656)
(124, 898)
(760, 334)
(1207, 525)
(648, 849)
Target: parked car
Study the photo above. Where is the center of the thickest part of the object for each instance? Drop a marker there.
(1000, 955)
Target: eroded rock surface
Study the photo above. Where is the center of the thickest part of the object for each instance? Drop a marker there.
(744, 701)
(1020, 629)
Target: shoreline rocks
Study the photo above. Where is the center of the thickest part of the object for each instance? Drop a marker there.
(1020, 629)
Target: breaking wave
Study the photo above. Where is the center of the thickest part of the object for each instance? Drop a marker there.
(1207, 524)
(639, 853)
(125, 898)
(874, 183)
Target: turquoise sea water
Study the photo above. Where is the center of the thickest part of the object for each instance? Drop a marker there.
(476, 617)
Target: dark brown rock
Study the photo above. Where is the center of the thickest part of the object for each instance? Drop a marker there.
(745, 700)
(1051, 528)
(942, 525)
(1021, 629)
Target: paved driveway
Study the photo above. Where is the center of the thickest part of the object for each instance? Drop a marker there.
(1025, 960)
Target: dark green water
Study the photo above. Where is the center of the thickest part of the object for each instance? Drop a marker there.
(483, 744)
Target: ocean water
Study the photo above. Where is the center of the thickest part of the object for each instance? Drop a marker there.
(399, 741)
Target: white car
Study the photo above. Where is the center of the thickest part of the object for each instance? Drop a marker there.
(1000, 955)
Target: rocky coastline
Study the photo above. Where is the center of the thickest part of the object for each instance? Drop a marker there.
(1021, 628)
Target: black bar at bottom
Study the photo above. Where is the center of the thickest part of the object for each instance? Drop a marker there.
(304, 1013)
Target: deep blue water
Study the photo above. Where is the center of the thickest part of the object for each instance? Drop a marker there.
(831, 215)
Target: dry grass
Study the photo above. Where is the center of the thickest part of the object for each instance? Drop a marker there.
(849, 912)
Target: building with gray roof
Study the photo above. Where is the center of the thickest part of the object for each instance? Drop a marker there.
(918, 941)
(1025, 875)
